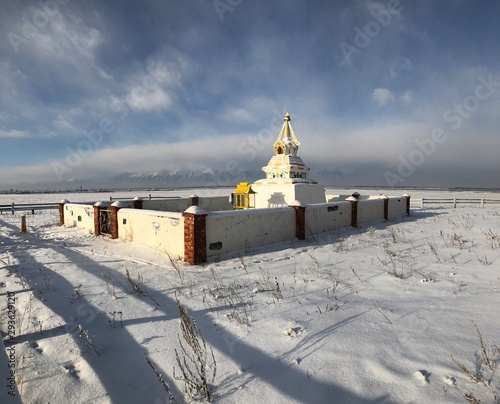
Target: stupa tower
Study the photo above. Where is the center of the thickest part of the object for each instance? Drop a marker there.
(286, 174)
(286, 167)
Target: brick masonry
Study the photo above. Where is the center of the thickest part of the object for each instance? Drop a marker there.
(300, 222)
(354, 213)
(386, 208)
(61, 214)
(114, 220)
(97, 231)
(195, 238)
(407, 204)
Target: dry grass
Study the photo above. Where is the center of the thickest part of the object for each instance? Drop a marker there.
(194, 359)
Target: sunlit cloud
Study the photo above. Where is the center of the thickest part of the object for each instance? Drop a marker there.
(382, 96)
(14, 134)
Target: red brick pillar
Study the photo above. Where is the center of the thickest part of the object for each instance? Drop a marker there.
(114, 208)
(407, 204)
(354, 210)
(194, 200)
(137, 202)
(386, 207)
(300, 219)
(195, 235)
(97, 229)
(61, 211)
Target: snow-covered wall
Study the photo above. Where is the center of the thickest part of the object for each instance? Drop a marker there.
(370, 210)
(241, 229)
(324, 217)
(338, 198)
(79, 215)
(163, 231)
(231, 230)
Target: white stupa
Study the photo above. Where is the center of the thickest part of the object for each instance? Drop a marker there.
(286, 175)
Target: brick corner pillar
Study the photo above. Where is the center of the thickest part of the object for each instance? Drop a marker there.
(300, 219)
(137, 202)
(195, 235)
(61, 211)
(97, 208)
(194, 200)
(354, 210)
(407, 204)
(114, 208)
(386, 206)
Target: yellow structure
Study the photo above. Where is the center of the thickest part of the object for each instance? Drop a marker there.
(243, 197)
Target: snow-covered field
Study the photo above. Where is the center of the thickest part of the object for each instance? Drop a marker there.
(385, 313)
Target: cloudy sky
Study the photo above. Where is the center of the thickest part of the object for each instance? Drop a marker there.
(380, 92)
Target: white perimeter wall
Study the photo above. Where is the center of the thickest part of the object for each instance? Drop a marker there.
(241, 229)
(234, 229)
(163, 231)
(397, 206)
(338, 198)
(78, 215)
(324, 217)
(215, 203)
(370, 210)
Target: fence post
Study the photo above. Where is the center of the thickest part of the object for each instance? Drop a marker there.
(482, 202)
(195, 235)
(354, 210)
(422, 203)
(22, 224)
(300, 219)
(454, 202)
(12, 207)
(62, 202)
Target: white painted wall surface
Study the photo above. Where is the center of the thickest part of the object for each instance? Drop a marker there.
(278, 195)
(214, 203)
(241, 229)
(163, 231)
(167, 205)
(343, 197)
(370, 210)
(397, 206)
(78, 215)
(321, 217)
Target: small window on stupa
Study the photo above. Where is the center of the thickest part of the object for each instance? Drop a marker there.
(280, 150)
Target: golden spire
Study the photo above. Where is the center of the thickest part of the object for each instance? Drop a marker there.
(287, 142)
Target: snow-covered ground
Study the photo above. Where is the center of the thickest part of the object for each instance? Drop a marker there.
(383, 313)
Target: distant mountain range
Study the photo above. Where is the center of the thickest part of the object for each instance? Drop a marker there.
(206, 177)
(168, 179)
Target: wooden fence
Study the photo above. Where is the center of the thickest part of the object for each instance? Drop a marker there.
(26, 207)
(453, 202)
